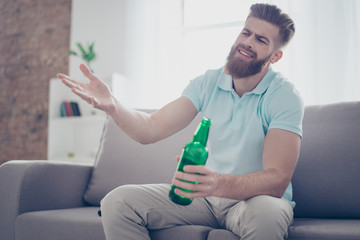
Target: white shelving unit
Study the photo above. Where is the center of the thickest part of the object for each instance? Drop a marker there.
(77, 139)
(72, 139)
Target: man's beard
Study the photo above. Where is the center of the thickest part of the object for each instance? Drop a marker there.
(239, 68)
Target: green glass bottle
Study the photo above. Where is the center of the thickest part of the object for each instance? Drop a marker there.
(194, 153)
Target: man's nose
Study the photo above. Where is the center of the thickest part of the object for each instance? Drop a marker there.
(249, 42)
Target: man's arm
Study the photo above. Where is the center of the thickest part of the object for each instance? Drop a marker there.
(280, 155)
(149, 128)
(142, 127)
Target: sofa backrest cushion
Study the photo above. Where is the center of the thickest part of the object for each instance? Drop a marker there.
(326, 179)
(121, 160)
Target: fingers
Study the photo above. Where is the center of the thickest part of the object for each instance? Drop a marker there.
(197, 169)
(190, 195)
(201, 180)
(185, 185)
(95, 103)
(86, 71)
(90, 100)
(71, 83)
(194, 178)
(194, 173)
(193, 190)
(84, 96)
(177, 158)
(60, 75)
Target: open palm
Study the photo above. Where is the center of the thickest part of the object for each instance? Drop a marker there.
(96, 92)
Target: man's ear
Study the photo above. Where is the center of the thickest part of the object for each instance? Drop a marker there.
(277, 56)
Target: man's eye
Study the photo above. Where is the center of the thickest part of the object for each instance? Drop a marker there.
(261, 40)
(245, 33)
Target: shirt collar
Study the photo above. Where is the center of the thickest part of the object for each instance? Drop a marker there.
(264, 83)
(225, 81)
(226, 84)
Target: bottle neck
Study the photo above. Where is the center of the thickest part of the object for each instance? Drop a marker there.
(202, 133)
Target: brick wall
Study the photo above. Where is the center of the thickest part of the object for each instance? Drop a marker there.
(34, 45)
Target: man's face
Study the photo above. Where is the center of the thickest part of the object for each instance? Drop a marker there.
(253, 49)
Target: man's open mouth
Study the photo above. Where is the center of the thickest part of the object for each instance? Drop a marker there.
(245, 53)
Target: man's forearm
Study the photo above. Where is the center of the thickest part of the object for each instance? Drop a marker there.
(267, 182)
(136, 124)
(281, 151)
(149, 128)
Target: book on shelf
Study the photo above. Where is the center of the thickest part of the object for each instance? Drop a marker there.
(69, 109)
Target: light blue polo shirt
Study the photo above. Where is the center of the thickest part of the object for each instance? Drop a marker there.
(239, 125)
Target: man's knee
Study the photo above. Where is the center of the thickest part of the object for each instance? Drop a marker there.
(261, 215)
(269, 208)
(118, 199)
(122, 213)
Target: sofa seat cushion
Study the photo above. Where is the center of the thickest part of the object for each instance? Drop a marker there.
(85, 224)
(324, 229)
(75, 223)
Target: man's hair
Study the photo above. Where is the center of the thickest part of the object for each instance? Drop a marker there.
(274, 15)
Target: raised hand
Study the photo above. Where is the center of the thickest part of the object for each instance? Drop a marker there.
(96, 92)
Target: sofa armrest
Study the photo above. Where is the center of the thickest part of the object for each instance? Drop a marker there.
(39, 185)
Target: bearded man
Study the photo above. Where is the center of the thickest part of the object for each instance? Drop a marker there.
(254, 142)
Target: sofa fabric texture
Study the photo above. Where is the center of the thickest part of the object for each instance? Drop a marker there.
(152, 163)
(329, 163)
(52, 200)
(70, 223)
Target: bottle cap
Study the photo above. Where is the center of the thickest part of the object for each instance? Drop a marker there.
(206, 121)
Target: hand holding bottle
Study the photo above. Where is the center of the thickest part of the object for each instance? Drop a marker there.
(205, 178)
(194, 153)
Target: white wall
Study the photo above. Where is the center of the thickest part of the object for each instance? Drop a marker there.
(323, 57)
(130, 38)
(142, 41)
(104, 23)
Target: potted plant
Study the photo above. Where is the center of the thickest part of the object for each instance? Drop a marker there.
(88, 55)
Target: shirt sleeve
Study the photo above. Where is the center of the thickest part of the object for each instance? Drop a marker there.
(286, 110)
(200, 89)
(192, 92)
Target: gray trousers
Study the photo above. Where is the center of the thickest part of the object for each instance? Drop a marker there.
(129, 211)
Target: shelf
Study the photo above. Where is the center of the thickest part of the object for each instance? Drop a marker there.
(80, 135)
(78, 158)
(81, 119)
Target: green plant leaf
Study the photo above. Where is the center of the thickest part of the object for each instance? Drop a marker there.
(81, 48)
(73, 53)
(91, 47)
(87, 54)
(91, 56)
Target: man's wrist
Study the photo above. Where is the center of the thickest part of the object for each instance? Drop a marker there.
(220, 186)
(111, 109)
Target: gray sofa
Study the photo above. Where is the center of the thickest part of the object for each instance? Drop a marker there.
(58, 201)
